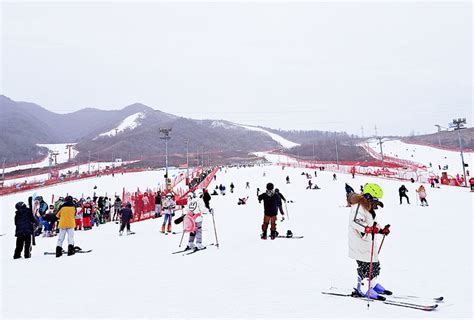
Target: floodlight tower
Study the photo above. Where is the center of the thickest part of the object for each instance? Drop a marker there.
(457, 125)
(69, 147)
(166, 136)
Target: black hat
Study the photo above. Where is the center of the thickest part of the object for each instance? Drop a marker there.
(19, 205)
(269, 186)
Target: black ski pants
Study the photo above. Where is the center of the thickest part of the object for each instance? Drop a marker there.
(23, 240)
(125, 224)
(404, 196)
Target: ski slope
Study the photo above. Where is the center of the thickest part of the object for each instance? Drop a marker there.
(428, 253)
(129, 123)
(425, 155)
(285, 143)
(62, 157)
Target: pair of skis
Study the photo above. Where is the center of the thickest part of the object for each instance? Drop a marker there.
(395, 300)
(186, 252)
(76, 250)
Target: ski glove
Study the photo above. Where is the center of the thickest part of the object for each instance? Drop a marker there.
(370, 230)
(386, 230)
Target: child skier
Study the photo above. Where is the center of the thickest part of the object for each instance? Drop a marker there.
(66, 216)
(126, 215)
(422, 194)
(87, 212)
(79, 215)
(270, 205)
(193, 219)
(362, 245)
(168, 206)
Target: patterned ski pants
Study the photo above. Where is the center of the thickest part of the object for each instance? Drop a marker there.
(196, 235)
(363, 269)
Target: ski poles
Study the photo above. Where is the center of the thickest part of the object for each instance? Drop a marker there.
(370, 266)
(287, 212)
(383, 239)
(215, 230)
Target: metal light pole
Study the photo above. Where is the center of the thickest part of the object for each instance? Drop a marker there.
(3, 171)
(166, 137)
(337, 153)
(381, 150)
(458, 124)
(439, 130)
(187, 158)
(89, 171)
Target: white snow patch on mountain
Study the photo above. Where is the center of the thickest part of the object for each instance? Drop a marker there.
(285, 143)
(129, 123)
(220, 124)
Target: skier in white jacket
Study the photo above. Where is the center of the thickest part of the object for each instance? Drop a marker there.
(362, 229)
(196, 208)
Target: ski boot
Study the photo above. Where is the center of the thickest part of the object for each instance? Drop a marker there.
(163, 228)
(70, 250)
(264, 235)
(273, 234)
(289, 234)
(59, 251)
(190, 246)
(360, 290)
(199, 246)
(380, 289)
(120, 233)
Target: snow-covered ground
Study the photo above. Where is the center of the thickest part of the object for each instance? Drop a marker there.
(62, 157)
(428, 253)
(425, 155)
(82, 168)
(129, 123)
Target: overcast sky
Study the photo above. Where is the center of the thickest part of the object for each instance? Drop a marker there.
(321, 65)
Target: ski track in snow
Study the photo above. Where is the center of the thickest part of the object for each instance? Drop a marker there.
(428, 253)
(424, 155)
(62, 157)
(129, 123)
(282, 141)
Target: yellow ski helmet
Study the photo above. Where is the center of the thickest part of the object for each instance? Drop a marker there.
(374, 190)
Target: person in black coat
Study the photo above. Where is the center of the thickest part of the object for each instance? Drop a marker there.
(270, 208)
(402, 192)
(206, 198)
(280, 203)
(24, 222)
(126, 215)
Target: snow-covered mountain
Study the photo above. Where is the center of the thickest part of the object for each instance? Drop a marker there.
(129, 123)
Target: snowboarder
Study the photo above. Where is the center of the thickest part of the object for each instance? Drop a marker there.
(126, 215)
(193, 219)
(67, 223)
(24, 227)
(280, 203)
(247, 185)
(270, 205)
(168, 209)
(242, 201)
(310, 185)
(287, 179)
(362, 244)
(402, 192)
(232, 187)
(422, 194)
(334, 177)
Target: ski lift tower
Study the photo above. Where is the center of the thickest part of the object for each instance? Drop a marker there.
(166, 136)
(381, 149)
(457, 125)
(69, 147)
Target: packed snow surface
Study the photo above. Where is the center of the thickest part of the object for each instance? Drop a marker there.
(62, 157)
(428, 253)
(129, 123)
(282, 141)
(425, 155)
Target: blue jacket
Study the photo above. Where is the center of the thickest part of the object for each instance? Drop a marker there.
(127, 214)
